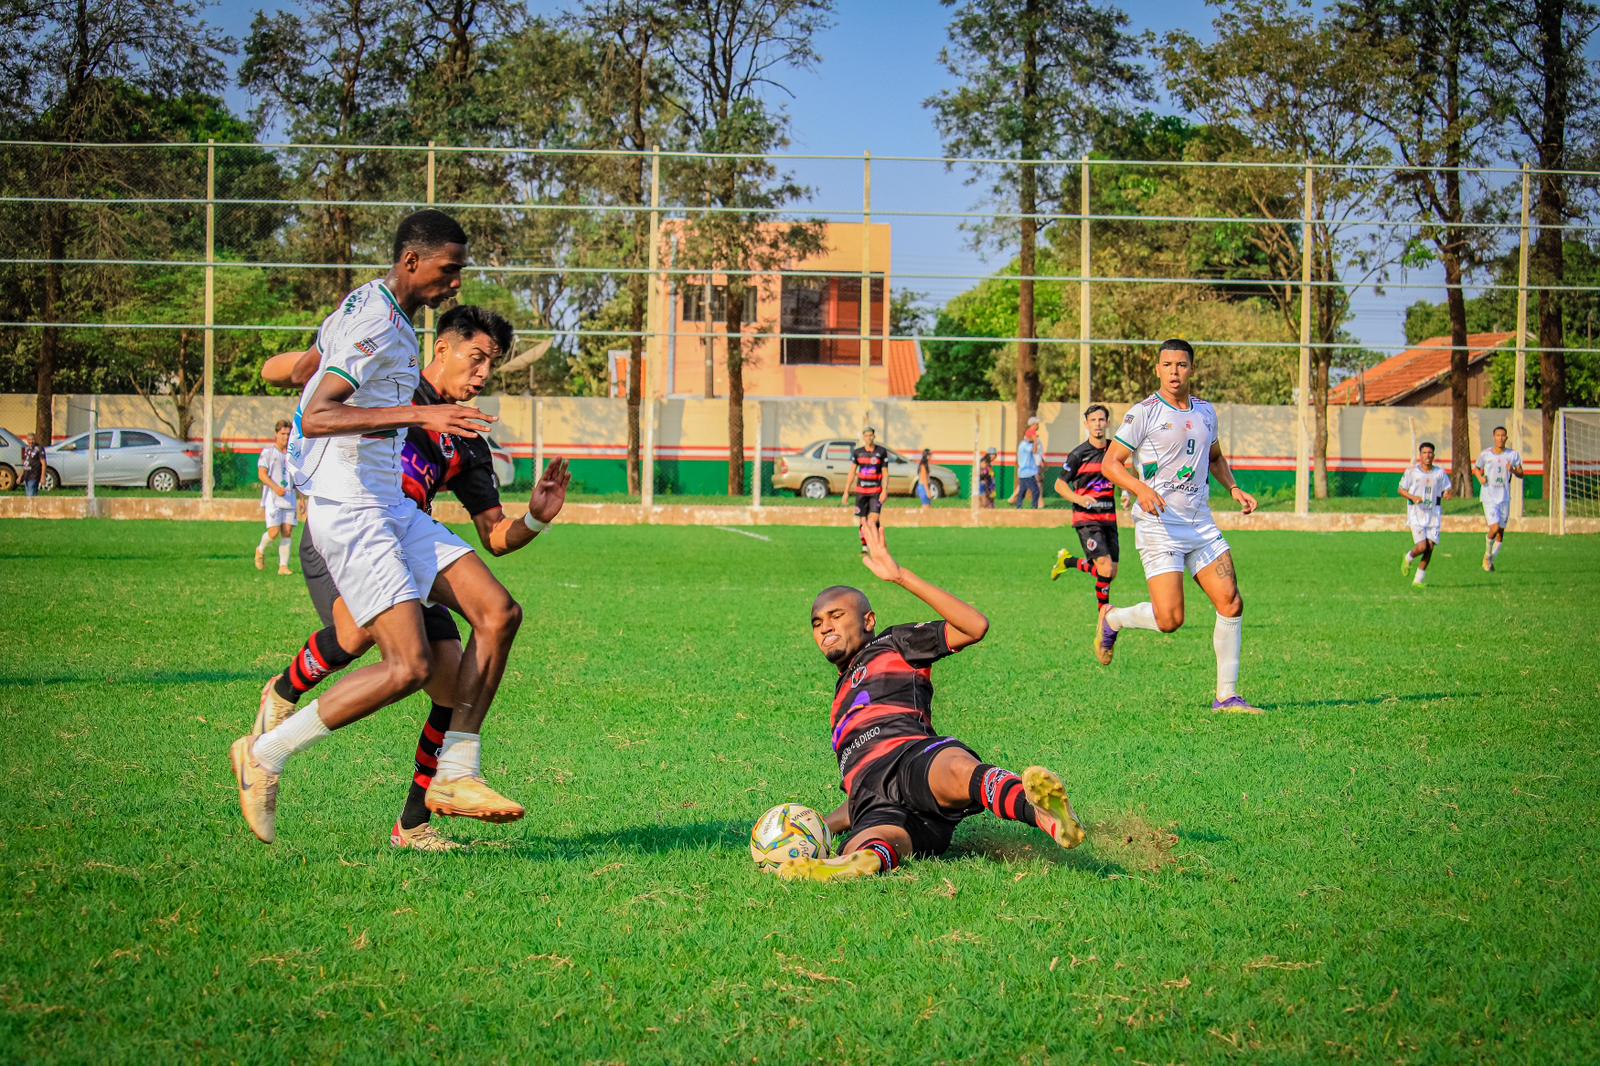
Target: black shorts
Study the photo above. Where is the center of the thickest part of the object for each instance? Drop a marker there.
(437, 622)
(899, 795)
(1099, 540)
(866, 505)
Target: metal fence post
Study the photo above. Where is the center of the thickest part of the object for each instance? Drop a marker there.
(208, 476)
(427, 312)
(1084, 333)
(647, 487)
(652, 310)
(89, 508)
(977, 453)
(755, 479)
(1519, 389)
(866, 269)
(1302, 446)
(538, 439)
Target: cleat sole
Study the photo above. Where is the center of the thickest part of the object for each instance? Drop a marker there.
(1046, 792)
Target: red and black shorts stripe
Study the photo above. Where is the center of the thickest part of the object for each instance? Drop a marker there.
(897, 793)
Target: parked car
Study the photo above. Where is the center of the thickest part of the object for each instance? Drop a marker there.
(822, 469)
(124, 457)
(505, 470)
(10, 460)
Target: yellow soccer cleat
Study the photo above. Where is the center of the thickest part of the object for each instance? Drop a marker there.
(1064, 562)
(261, 561)
(258, 791)
(844, 868)
(284, 571)
(273, 711)
(471, 797)
(421, 838)
(1055, 814)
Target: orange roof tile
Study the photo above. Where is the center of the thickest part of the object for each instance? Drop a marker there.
(1396, 379)
(904, 363)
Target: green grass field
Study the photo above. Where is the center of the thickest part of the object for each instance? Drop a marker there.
(1396, 864)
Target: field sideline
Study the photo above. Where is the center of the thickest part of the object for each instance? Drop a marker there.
(1397, 864)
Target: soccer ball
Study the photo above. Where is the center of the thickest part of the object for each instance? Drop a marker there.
(789, 831)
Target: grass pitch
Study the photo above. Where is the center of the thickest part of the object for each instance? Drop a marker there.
(1397, 864)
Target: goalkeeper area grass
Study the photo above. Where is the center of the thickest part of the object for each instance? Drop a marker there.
(1396, 863)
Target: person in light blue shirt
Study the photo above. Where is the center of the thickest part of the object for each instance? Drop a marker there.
(1030, 458)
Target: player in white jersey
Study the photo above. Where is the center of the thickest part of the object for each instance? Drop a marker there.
(1494, 470)
(278, 498)
(1172, 437)
(1424, 486)
(384, 554)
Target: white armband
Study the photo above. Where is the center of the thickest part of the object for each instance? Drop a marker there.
(533, 524)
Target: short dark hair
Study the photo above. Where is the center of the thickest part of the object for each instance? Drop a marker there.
(469, 320)
(1498, 429)
(426, 231)
(283, 423)
(1428, 444)
(1102, 408)
(861, 602)
(1174, 344)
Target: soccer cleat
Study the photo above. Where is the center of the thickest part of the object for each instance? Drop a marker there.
(261, 560)
(258, 790)
(1052, 810)
(1105, 638)
(1488, 565)
(1405, 565)
(273, 711)
(421, 838)
(471, 797)
(284, 571)
(1235, 705)
(1064, 562)
(844, 868)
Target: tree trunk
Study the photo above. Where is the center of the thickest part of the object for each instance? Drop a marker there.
(735, 323)
(1321, 363)
(50, 337)
(183, 396)
(1549, 260)
(1028, 388)
(1460, 425)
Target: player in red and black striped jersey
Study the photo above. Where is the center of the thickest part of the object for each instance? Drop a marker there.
(469, 339)
(868, 482)
(907, 786)
(1094, 507)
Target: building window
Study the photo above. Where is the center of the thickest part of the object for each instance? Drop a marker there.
(694, 301)
(820, 319)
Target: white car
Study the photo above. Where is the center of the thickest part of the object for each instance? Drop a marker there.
(505, 470)
(10, 460)
(139, 457)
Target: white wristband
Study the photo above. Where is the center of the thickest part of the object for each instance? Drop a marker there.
(533, 524)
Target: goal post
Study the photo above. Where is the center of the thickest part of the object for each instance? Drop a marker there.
(1575, 466)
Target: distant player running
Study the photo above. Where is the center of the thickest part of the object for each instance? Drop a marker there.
(907, 786)
(1174, 436)
(384, 554)
(1424, 486)
(469, 340)
(868, 482)
(277, 498)
(1094, 507)
(1494, 470)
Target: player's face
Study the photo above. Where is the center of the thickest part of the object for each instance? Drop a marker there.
(1097, 424)
(464, 365)
(868, 438)
(1172, 371)
(436, 275)
(1425, 457)
(281, 438)
(840, 628)
(1500, 440)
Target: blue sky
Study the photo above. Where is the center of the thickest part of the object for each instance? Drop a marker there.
(879, 63)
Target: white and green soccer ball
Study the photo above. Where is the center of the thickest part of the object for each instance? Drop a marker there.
(787, 832)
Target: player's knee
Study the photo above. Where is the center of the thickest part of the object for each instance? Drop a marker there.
(1233, 608)
(409, 671)
(500, 620)
(1169, 621)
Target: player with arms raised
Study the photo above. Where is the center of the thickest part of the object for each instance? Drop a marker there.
(1424, 486)
(1173, 436)
(1094, 507)
(1494, 470)
(907, 786)
(868, 482)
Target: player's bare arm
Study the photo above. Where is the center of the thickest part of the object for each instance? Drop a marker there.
(502, 535)
(964, 624)
(261, 476)
(327, 415)
(1408, 496)
(291, 370)
(1224, 475)
(839, 820)
(1118, 470)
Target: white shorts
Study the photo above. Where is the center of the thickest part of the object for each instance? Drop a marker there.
(278, 516)
(1425, 527)
(381, 556)
(1173, 549)
(1497, 512)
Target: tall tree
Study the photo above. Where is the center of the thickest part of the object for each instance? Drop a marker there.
(726, 55)
(1038, 78)
(1540, 53)
(65, 69)
(1443, 111)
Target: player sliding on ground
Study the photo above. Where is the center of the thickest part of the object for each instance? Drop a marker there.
(1173, 435)
(1094, 507)
(1494, 469)
(469, 340)
(385, 555)
(908, 787)
(1424, 486)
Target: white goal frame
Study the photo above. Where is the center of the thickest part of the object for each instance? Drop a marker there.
(1558, 467)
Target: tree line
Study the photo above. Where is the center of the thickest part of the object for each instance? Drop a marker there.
(1432, 86)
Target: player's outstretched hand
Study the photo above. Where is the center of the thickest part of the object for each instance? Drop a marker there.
(878, 559)
(550, 491)
(1150, 500)
(456, 419)
(1247, 502)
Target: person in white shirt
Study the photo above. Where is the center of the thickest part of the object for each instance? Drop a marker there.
(277, 498)
(1424, 486)
(1494, 470)
(1173, 438)
(386, 556)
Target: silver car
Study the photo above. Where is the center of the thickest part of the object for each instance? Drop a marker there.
(10, 460)
(139, 457)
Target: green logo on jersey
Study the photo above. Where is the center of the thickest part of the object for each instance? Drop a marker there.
(1185, 473)
(1150, 470)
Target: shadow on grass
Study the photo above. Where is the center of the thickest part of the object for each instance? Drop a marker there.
(113, 676)
(1370, 701)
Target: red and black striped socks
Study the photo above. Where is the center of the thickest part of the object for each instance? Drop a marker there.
(1000, 793)
(428, 745)
(320, 657)
(888, 857)
(1102, 590)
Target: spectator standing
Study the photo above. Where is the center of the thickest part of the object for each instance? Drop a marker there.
(923, 493)
(1030, 457)
(986, 479)
(32, 466)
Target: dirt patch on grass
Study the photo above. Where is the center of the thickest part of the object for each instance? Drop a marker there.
(1135, 843)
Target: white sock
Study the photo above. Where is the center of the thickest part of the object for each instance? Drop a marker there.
(1139, 616)
(1226, 639)
(1494, 549)
(1488, 546)
(266, 538)
(300, 730)
(283, 552)
(460, 757)
(1422, 577)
